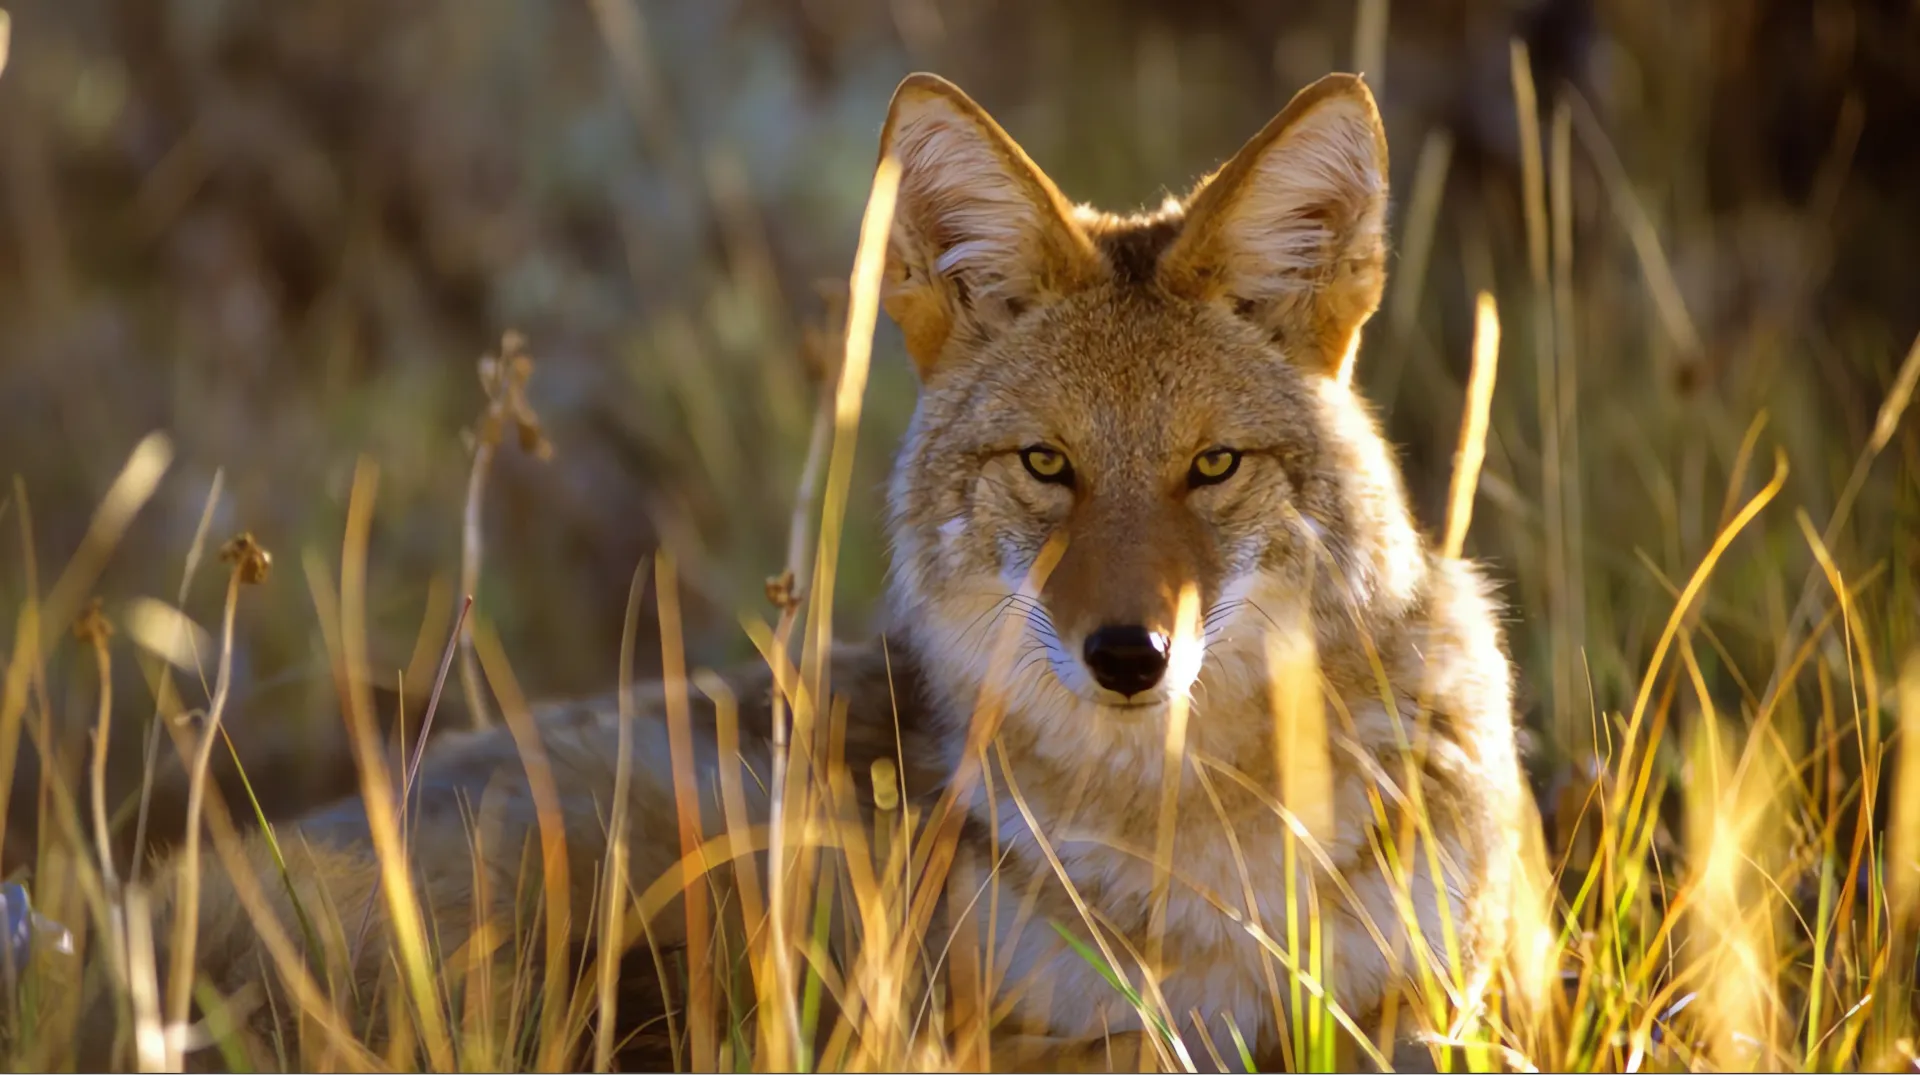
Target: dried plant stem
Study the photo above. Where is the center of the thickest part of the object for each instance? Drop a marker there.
(614, 899)
(1186, 639)
(806, 492)
(186, 909)
(460, 623)
(701, 1035)
(504, 379)
(478, 715)
(96, 636)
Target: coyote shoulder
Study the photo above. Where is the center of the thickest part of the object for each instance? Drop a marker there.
(1146, 530)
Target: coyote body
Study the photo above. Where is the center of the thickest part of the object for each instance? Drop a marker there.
(1140, 496)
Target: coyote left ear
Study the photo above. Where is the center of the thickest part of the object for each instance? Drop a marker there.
(980, 234)
(1292, 232)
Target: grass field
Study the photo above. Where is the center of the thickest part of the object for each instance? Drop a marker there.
(1701, 490)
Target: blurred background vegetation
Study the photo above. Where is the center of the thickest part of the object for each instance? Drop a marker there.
(284, 233)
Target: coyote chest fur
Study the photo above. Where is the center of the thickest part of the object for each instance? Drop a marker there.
(1155, 573)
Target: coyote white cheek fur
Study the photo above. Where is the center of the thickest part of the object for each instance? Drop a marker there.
(1116, 412)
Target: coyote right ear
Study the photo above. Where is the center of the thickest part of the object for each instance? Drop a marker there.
(980, 234)
(1292, 232)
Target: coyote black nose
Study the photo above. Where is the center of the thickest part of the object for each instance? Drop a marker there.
(1127, 659)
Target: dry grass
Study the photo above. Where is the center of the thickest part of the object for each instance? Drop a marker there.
(1715, 596)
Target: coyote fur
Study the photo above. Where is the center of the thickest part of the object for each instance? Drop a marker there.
(1156, 595)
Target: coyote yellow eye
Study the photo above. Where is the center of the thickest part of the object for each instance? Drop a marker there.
(1212, 467)
(1049, 466)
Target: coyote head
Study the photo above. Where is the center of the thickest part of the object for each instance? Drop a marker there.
(1168, 393)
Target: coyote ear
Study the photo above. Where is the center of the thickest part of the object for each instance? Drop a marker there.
(979, 234)
(1292, 232)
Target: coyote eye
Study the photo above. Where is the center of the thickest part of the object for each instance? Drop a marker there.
(1049, 466)
(1213, 466)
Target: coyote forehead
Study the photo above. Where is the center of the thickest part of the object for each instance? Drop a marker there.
(1168, 393)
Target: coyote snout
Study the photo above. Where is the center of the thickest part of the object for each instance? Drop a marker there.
(1115, 596)
(1128, 660)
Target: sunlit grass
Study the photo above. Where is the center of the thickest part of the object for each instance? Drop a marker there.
(1768, 939)
(1733, 887)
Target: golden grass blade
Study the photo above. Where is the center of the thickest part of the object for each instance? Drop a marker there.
(1898, 397)
(613, 900)
(1695, 584)
(556, 899)
(1472, 450)
(863, 313)
(1186, 642)
(405, 917)
(701, 1034)
(1903, 819)
(94, 630)
(1532, 175)
(733, 802)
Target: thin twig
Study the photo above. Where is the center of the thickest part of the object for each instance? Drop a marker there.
(94, 629)
(504, 378)
(433, 706)
(250, 562)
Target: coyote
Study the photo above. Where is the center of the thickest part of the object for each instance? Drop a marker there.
(1143, 518)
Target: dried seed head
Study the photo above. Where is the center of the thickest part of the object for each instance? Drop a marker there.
(504, 378)
(92, 627)
(253, 561)
(532, 439)
(781, 593)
